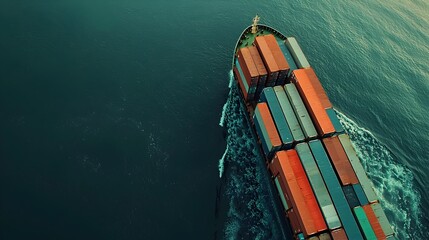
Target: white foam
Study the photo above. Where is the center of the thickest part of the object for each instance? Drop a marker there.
(222, 161)
(393, 182)
(225, 106)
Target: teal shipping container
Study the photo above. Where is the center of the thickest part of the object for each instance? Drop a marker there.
(281, 193)
(246, 86)
(268, 96)
(360, 194)
(335, 121)
(292, 121)
(364, 223)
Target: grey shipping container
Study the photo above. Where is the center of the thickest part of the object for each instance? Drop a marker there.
(292, 121)
(382, 219)
(358, 168)
(334, 188)
(301, 112)
(319, 187)
(296, 51)
(268, 96)
(324, 236)
(360, 194)
(335, 121)
(351, 197)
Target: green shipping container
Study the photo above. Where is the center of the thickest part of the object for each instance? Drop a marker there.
(364, 223)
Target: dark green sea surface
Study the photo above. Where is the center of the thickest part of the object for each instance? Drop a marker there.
(109, 114)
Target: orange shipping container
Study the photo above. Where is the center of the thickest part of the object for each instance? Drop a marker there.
(278, 57)
(373, 220)
(267, 58)
(269, 125)
(321, 93)
(258, 61)
(282, 161)
(318, 114)
(310, 199)
(339, 234)
(340, 161)
(248, 66)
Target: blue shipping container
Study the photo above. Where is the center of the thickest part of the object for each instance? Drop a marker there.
(334, 188)
(360, 194)
(268, 95)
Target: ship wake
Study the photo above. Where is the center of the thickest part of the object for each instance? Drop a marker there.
(246, 190)
(250, 207)
(393, 183)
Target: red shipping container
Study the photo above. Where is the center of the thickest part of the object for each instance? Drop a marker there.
(304, 214)
(339, 234)
(240, 82)
(315, 82)
(278, 57)
(267, 58)
(373, 220)
(307, 191)
(340, 161)
(248, 67)
(318, 114)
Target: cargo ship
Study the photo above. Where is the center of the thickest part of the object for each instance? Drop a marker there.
(320, 182)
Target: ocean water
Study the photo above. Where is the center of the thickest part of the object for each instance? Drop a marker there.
(111, 113)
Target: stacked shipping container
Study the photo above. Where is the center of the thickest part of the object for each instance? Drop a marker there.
(269, 61)
(261, 69)
(279, 58)
(268, 96)
(323, 188)
(312, 102)
(287, 166)
(266, 129)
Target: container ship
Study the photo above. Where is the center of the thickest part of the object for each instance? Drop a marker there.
(322, 186)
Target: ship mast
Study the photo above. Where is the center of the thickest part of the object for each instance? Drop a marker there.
(255, 24)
